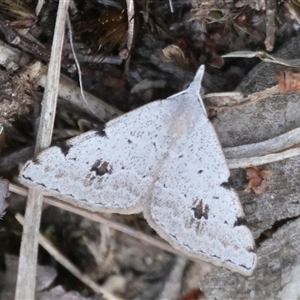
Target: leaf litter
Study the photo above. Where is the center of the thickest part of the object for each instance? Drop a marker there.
(199, 39)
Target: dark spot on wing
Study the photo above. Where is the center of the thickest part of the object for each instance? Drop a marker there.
(222, 258)
(27, 178)
(227, 184)
(129, 141)
(36, 161)
(200, 171)
(200, 210)
(188, 246)
(101, 168)
(240, 221)
(212, 114)
(180, 156)
(173, 236)
(64, 147)
(100, 130)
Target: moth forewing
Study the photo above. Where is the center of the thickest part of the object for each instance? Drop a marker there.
(163, 159)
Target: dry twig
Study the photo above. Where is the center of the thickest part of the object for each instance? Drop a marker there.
(29, 246)
(261, 160)
(270, 24)
(172, 285)
(223, 102)
(130, 31)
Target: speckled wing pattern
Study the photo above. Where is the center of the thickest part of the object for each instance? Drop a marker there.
(193, 206)
(163, 159)
(109, 169)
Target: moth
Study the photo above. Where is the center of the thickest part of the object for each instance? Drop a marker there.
(165, 160)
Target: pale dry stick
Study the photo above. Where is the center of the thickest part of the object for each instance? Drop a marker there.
(276, 144)
(223, 102)
(172, 286)
(270, 24)
(293, 10)
(130, 31)
(25, 288)
(264, 56)
(73, 8)
(69, 265)
(13, 188)
(171, 6)
(261, 160)
(39, 7)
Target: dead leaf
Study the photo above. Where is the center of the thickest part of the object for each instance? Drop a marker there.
(257, 179)
(288, 81)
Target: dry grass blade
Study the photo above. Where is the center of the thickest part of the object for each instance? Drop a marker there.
(172, 286)
(28, 254)
(264, 57)
(270, 24)
(130, 32)
(223, 102)
(39, 7)
(235, 163)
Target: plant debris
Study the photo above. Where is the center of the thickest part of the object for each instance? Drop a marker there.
(167, 46)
